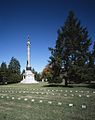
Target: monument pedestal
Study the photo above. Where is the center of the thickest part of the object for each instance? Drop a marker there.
(28, 77)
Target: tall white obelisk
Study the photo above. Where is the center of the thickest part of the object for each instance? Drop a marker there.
(28, 67)
(28, 76)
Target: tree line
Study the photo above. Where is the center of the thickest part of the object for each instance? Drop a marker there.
(73, 57)
(10, 73)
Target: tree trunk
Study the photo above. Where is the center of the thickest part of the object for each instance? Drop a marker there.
(66, 82)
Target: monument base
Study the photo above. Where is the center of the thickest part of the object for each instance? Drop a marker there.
(28, 77)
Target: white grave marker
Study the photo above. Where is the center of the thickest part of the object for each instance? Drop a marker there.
(40, 101)
(83, 106)
(25, 99)
(70, 105)
(49, 102)
(2, 96)
(79, 95)
(13, 98)
(7, 97)
(87, 95)
(72, 95)
(19, 98)
(59, 103)
(65, 95)
(65, 90)
(32, 100)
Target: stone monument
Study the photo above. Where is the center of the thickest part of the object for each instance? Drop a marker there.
(28, 76)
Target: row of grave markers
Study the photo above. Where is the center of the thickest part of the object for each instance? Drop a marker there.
(83, 106)
(43, 93)
(54, 90)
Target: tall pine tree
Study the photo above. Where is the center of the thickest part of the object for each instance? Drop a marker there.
(3, 73)
(70, 54)
(14, 71)
(14, 65)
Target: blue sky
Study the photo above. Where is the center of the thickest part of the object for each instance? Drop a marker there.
(40, 19)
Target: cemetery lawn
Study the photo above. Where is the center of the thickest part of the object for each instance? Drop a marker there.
(43, 102)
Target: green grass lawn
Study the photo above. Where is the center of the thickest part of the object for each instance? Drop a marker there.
(43, 102)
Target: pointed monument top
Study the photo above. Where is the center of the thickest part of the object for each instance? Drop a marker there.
(28, 38)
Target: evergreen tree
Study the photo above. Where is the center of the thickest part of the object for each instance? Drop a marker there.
(93, 53)
(71, 51)
(14, 65)
(3, 73)
(3, 66)
(76, 48)
(14, 71)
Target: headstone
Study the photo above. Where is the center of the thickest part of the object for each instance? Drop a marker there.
(72, 95)
(70, 105)
(25, 99)
(65, 95)
(79, 95)
(32, 100)
(7, 97)
(19, 98)
(83, 106)
(49, 102)
(65, 90)
(2, 96)
(13, 98)
(40, 101)
(87, 95)
(59, 103)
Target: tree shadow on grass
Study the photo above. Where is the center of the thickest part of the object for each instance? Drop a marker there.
(86, 85)
(91, 85)
(58, 85)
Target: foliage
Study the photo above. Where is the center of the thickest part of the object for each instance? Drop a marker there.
(10, 74)
(14, 65)
(46, 73)
(3, 73)
(70, 58)
(36, 75)
(14, 78)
